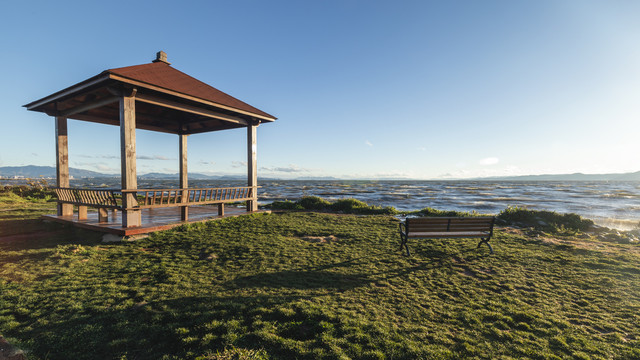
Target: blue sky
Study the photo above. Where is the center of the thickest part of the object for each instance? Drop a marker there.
(361, 89)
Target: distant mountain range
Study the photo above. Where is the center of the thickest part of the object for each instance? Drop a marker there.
(634, 176)
(32, 171)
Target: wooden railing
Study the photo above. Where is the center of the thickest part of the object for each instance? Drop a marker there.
(155, 198)
(100, 198)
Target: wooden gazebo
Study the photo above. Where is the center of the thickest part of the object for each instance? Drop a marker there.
(155, 97)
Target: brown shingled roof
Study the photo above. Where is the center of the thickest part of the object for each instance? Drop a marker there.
(163, 75)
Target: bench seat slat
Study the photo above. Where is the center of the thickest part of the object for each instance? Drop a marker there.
(461, 226)
(448, 234)
(453, 227)
(446, 219)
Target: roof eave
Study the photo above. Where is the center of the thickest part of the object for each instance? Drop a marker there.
(67, 91)
(106, 76)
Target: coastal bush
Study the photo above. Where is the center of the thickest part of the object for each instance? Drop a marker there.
(346, 206)
(314, 203)
(544, 220)
(37, 189)
(284, 205)
(443, 213)
(354, 206)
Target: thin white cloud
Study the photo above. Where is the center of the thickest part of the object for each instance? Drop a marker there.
(238, 164)
(486, 172)
(286, 169)
(98, 156)
(368, 143)
(153, 157)
(100, 166)
(489, 161)
(139, 157)
(400, 174)
(206, 162)
(106, 168)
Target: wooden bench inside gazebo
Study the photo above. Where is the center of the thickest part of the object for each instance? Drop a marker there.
(154, 97)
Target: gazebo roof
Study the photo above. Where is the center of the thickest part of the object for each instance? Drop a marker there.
(167, 100)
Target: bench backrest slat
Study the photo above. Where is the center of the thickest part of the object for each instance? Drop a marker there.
(449, 224)
(414, 228)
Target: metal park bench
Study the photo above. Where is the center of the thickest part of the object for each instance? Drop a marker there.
(447, 228)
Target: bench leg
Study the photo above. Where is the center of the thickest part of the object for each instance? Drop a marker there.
(406, 246)
(486, 241)
(403, 239)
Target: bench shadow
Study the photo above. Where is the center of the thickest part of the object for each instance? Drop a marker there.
(433, 257)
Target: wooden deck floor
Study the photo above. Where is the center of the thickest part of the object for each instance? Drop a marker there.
(152, 219)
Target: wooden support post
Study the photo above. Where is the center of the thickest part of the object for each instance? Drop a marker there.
(82, 212)
(252, 166)
(221, 209)
(103, 215)
(184, 178)
(62, 162)
(130, 218)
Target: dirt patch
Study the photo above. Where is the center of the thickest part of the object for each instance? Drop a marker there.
(208, 256)
(513, 231)
(320, 239)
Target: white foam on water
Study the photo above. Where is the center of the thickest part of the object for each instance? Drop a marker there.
(618, 224)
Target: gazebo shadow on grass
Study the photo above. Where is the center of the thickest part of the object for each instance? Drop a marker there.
(34, 234)
(146, 330)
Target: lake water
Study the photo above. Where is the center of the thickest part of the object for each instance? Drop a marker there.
(612, 204)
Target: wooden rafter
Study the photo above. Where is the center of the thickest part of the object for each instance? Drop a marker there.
(154, 100)
(89, 106)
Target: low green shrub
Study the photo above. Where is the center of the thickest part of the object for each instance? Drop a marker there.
(544, 220)
(314, 203)
(35, 190)
(354, 206)
(442, 213)
(284, 205)
(346, 206)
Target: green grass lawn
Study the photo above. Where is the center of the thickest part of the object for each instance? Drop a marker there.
(258, 287)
